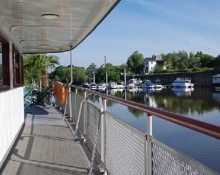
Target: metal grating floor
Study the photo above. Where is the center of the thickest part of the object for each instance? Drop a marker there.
(45, 146)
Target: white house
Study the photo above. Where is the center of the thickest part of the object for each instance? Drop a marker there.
(151, 62)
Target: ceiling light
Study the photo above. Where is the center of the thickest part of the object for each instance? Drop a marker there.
(44, 45)
(50, 16)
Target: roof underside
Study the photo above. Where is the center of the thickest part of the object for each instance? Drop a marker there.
(22, 22)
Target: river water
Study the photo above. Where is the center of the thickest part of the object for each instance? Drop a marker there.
(200, 104)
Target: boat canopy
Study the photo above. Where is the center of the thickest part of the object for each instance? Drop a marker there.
(50, 26)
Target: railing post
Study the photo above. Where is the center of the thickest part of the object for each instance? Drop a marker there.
(70, 103)
(102, 107)
(85, 114)
(149, 150)
(75, 106)
(103, 132)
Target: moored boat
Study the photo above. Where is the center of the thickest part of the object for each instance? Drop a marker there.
(216, 80)
(132, 83)
(93, 86)
(112, 85)
(101, 86)
(182, 83)
(120, 86)
(147, 84)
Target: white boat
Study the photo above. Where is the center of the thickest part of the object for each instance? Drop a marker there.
(101, 86)
(112, 85)
(216, 80)
(93, 86)
(158, 84)
(139, 83)
(120, 86)
(132, 83)
(86, 85)
(182, 83)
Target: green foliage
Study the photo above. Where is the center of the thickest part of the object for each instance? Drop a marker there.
(79, 75)
(113, 73)
(136, 62)
(92, 66)
(217, 61)
(36, 64)
(63, 73)
(207, 61)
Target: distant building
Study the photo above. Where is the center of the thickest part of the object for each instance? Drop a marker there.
(151, 62)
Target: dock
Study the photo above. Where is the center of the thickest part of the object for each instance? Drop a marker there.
(45, 145)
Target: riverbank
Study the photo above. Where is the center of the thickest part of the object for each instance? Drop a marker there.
(200, 79)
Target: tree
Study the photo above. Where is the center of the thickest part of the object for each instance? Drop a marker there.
(63, 74)
(175, 60)
(37, 66)
(183, 60)
(112, 72)
(79, 75)
(92, 66)
(207, 61)
(217, 61)
(168, 61)
(136, 62)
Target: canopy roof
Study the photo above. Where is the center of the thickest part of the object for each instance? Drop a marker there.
(25, 22)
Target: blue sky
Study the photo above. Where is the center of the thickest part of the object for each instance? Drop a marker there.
(151, 27)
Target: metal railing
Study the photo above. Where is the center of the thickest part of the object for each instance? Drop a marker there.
(123, 149)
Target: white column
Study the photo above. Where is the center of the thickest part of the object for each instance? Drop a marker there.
(71, 76)
(149, 135)
(11, 60)
(103, 131)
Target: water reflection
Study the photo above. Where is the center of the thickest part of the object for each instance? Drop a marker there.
(187, 102)
(183, 91)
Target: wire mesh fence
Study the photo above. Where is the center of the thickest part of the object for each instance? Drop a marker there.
(125, 148)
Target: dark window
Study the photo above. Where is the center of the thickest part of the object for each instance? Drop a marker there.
(1, 72)
(17, 68)
(4, 64)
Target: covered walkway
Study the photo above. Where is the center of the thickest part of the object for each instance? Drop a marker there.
(45, 146)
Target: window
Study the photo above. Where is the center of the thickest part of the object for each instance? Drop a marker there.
(1, 75)
(17, 67)
(4, 64)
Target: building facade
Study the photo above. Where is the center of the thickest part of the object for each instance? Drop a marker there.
(151, 62)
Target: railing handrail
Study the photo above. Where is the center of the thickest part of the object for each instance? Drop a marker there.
(196, 125)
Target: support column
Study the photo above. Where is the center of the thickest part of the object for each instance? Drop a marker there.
(103, 117)
(11, 64)
(71, 77)
(149, 150)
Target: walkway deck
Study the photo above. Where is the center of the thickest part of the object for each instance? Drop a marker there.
(45, 146)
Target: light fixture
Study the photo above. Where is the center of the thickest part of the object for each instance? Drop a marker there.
(44, 45)
(50, 16)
